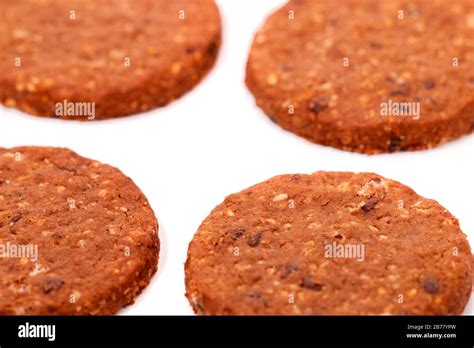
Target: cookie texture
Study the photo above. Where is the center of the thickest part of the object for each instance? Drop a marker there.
(126, 56)
(77, 237)
(367, 76)
(330, 243)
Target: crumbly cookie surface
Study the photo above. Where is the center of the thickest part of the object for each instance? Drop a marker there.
(329, 243)
(367, 76)
(77, 237)
(125, 56)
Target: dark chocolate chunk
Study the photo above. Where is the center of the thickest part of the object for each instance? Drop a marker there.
(213, 48)
(395, 144)
(254, 239)
(429, 84)
(257, 297)
(403, 92)
(430, 285)
(67, 169)
(375, 44)
(309, 283)
(318, 104)
(190, 50)
(288, 269)
(370, 204)
(52, 284)
(236, 234)
(16, 218)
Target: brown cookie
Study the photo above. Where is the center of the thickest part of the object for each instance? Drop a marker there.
(125, 57)
(329, 243)
(367, 76)
(77, 237)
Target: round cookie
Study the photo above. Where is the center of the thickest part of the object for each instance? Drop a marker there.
(77, 237)
(330, 243)
(125, 57)
(367, 76)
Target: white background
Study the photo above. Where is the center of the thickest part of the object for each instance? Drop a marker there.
(214, 141)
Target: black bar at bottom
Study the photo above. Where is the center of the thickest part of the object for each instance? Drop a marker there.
(418, 331)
